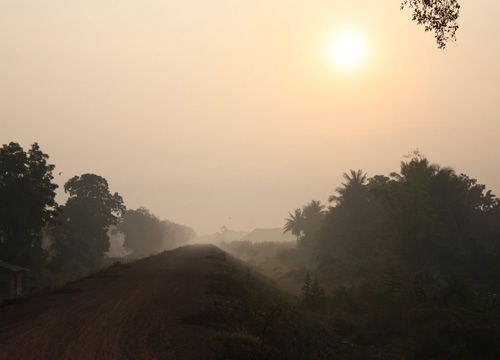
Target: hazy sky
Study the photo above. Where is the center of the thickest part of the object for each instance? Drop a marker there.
(230, 112)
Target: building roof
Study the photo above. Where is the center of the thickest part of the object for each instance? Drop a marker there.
(11, 267)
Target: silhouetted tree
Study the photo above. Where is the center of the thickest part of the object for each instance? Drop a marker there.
(352, 190)
(27, 203)
(411, 209)
(295, 224)
(437, 219)
(350, 225)
(175, 235)
(438, 233)
(81, 238)
(312, 217)
(142, 230)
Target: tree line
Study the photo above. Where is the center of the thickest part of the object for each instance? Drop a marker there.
(424, 218)
(38, 233)
(408, 262)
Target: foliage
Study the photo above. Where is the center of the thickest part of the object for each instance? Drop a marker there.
(255, 321)
(175, 235)
(424, 316)
(305, 223)
(313, 296)
(313, 214)
(81, 239)
(142, 230)
(145, 234)
(437, 217)
(439, 16)
(27, 203)
(294, 224)
(411, 261)
(351, 226)
(352, 189)
(425, 217)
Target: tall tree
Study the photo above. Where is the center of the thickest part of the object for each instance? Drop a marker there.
(313, 214)
(352, 190)
(82, 239)
(295, 224)
(175, 235)
(437, 216)
(350, 225)
(27, 203)
(407, 198)
(142, 230)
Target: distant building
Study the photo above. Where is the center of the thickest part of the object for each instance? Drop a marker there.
(11, 280)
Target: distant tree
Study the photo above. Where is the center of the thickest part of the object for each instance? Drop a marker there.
(175, 235)
(142, 230)
(349, 225)
(439, 16)
(353, 190)
(423, 219)
(27, 203)
(81, 238)
(295, 224)
(413, 225)
(313, 210)
(313, 214)
(437, 219)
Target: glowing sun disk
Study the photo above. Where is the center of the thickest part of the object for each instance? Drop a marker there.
(348, 50)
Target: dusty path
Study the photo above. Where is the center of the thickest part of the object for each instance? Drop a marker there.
(130, 313)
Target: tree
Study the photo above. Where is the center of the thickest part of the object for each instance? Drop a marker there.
(81, 239)
(295, 224)
(175, 235)
(27, 203)
(438, 218)
(415, 227)
(352, 189)
(350, 225)
(142, 230)
(439, 16)
(312, 218)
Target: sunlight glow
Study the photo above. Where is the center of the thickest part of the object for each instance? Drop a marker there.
(348, 49)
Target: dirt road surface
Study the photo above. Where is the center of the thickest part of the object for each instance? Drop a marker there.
(132, 312)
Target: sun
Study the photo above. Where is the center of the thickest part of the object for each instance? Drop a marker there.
(348, 50)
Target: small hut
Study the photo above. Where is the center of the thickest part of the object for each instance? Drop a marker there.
(11, 280)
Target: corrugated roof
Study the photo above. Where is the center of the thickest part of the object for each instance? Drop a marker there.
(11, 267)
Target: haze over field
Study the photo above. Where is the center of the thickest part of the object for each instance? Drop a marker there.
(233, 113)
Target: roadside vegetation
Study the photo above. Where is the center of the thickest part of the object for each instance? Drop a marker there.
(254, 320)
(406, 265)
(60, 243)
(408, 262)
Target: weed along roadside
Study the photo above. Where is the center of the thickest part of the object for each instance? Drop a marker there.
(254, 320)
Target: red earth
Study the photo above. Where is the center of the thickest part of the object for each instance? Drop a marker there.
(131, 312)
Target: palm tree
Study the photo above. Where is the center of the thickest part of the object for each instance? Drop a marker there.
(354, 182)
(295, 224)
(312, 215)
(416, 170)
(312, 209)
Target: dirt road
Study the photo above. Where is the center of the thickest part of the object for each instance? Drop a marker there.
(133, 312)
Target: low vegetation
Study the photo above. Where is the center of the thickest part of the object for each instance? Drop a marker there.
(254, 320)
